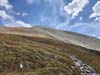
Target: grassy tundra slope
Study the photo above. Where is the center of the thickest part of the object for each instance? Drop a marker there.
(65, 36)
(41, 54)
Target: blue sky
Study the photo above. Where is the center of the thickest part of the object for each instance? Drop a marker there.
(82, 16)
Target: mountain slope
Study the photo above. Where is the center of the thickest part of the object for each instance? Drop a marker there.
(36, 56)
(34, 51)
(65, 36)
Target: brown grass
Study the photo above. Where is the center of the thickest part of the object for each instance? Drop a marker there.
(38, 55)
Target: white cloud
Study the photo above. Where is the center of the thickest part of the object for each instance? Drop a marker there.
(57, 12)
(17, 23)
(4, 15)
(96, 11)
(21, 14)
(8, 19)
(30, 1)
(97, 19)
(22, 24)
(92, 29)
(75, 7)
(6, 4)
(18, 14)
(25, 14)
(6, 8)
(57, 8)
(98, 37)
(12, 22)
(38, 1)
(81, 18)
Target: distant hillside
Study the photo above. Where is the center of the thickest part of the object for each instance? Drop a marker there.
(65, 36)
(44, 51)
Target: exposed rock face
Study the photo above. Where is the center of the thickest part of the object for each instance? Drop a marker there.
(84, 68)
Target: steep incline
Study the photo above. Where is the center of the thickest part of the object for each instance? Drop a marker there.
(25, 55)
(22, 55)
(65, 36)
(43, 51)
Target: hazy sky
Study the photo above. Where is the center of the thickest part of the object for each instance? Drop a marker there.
(81, 16)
